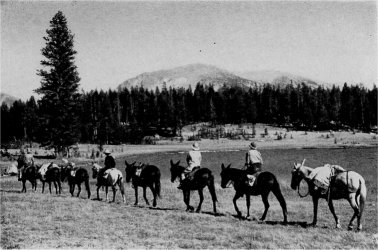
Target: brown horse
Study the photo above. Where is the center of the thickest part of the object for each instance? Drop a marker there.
(202, 178)
(29, 174)
(347, 185)
(149, 177)
(50, 172)
(266, 182)
(81, 175)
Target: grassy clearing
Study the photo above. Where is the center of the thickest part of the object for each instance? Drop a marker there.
(36, 220)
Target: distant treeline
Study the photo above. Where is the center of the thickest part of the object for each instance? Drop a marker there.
(126, 116)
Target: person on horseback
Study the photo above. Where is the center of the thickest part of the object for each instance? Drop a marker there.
(109, 163)
(253, 163)
(193, 159)
(321, 176)
(28, 160)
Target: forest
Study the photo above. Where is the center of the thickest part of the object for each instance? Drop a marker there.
(128, 115)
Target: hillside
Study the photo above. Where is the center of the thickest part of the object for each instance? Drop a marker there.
(7, 99)
(185, 76)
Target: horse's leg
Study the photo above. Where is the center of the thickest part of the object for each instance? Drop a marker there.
(88, 188)
(79, 189)
(200, 193)
(264, 197)
(114, 192)
(23, 186)
(187, 200)
(106, 194)
(332, 209)
(353, 204)
(236, 197)
(248, 203)
(136, 195)
(144, 195)
(59, 186)
(213, 194)
(154, 193)
(56, 187)
(122, 189)
(315, 201)
(98, 192)
(72, 189)
(50, 187)
(43, 186)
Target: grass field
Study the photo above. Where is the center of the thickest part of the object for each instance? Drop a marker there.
(36, 220)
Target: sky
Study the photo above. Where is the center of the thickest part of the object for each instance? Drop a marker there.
(334, 42)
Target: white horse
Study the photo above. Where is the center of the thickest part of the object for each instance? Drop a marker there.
(347, 185)
(111, 177)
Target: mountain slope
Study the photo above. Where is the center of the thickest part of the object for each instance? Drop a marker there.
(185, 76)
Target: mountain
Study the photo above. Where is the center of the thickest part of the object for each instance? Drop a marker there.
(7, 99)
(278, 78)
(207, 74)
(187, 75)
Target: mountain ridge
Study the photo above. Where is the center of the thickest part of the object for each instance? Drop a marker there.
(191, 74)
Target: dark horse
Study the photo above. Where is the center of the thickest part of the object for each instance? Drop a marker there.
(265, 183)
(149, 177)
(29, 173)
(50, 173)
(81, 175)
(202, 178)
(347, 185)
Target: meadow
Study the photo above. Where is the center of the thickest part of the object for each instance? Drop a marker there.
(35, 220)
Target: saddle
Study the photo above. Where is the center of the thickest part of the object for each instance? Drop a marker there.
(251, 179)
(189, 176)
(139, 170)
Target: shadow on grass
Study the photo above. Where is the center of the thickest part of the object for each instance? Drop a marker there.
(290, 223)
(216, 215)
(10, 191)
(163, 208)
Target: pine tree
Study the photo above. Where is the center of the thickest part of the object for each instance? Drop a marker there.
(59, 86)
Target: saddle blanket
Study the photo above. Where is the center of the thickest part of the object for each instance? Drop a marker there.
(111, 175)
(252, 179)
(321, 176)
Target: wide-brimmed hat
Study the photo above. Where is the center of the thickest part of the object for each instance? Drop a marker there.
(107, 152)
(195, 146)
(252, 145)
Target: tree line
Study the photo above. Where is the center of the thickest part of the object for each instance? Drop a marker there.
(127, 115)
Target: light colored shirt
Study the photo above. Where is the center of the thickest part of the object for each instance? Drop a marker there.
(254, 156)
(29, 159)
(194, 159)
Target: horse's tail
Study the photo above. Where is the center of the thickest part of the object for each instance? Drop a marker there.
(362, 195)
(212, 188)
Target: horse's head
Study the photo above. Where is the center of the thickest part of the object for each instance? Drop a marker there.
(130, 170)
(225, 176)
(297, 174)
(176, 170)
(95, 169)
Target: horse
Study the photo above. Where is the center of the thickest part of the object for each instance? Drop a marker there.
(81, 175)
(347, 185)
(50, 172)
(149, 177)
(201, 178)
(110, 177)
(29, 174)
(26, 172)
(265, 183)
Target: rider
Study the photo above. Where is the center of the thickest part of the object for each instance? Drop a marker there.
(253, 162)
(321, 176)
(109, 163)
(28, 160)
(194, 160)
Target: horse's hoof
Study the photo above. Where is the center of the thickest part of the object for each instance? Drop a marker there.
(312, 225)
(338, 226)
(198, 211)
(350, 228)
(135, 204)
(285, 222)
